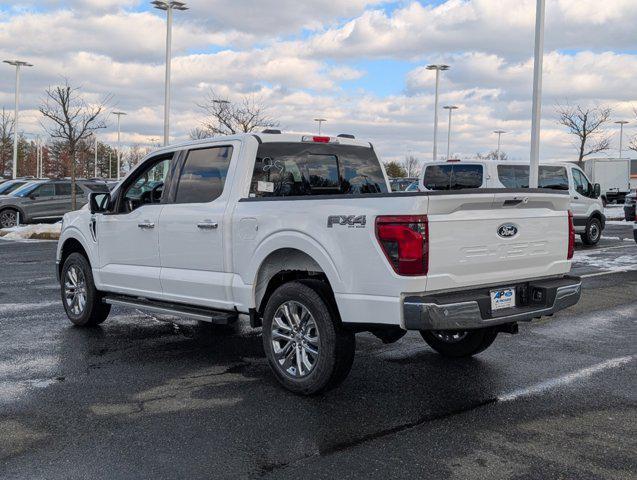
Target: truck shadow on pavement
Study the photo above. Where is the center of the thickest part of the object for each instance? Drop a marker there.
(131, 371)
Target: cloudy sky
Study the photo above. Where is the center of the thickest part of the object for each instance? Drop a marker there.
(358, 63)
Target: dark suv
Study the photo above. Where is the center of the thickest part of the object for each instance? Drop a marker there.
(44, 200)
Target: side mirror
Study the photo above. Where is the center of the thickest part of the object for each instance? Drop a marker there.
(597, 190)
(33, 196)
(99, 202)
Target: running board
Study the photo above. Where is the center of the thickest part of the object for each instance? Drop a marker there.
(218, 317)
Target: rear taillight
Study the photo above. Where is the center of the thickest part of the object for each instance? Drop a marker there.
(571, 236)
(405, 242)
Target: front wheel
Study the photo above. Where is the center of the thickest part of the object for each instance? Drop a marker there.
(459, 343)
(593, 232)
(307, 348)
(82, 302)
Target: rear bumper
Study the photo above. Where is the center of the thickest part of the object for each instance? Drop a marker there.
(472, 309)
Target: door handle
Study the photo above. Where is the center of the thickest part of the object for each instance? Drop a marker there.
(146, 225)
(576, 198)
(208, 225)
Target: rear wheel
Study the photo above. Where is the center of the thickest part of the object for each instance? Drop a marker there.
(593, 232)
(459, 343)
(82, 302)
(8, 218)
(307, 348)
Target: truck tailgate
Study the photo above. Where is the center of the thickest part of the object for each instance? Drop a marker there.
(480, 239)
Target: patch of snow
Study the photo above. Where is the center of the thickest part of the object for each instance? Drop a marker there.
(598, 260)
(38, 231)
(614, 212)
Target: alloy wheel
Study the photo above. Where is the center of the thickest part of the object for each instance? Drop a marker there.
(75, 290)
(295, 339)
(8, 219)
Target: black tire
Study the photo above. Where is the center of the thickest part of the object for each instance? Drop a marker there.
(94, 311)
(8, 218)
(593, 232)
(458, 343)
(336, 345)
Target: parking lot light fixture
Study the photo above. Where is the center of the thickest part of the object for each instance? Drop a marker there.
(621, 124)
(119, 155)
(438, 69)
(320, 123)
(499, 133)
(168, 7)
(18, 64)
(451, 108)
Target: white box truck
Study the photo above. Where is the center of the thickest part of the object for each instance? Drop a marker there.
(613, 176)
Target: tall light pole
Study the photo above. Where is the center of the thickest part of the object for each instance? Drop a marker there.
(168, 7)
(438, 69)
(95, 176)
(320, 123)
(621, 124)
(537, 95)
(451, 108)
(18, 64)
(499, 132)
(119, 155)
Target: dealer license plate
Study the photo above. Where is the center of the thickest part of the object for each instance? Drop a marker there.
(502, 298)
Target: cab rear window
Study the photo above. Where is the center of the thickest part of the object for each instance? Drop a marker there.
(453, 177)
(298, 169)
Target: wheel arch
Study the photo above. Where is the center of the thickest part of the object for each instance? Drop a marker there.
(23, 217)
(71, 245)
(284, 265)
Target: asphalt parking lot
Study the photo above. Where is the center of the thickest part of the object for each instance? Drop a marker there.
(141, 398)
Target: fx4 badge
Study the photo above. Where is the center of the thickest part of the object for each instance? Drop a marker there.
(350, 221)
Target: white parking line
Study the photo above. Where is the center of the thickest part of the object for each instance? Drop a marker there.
(566, 379)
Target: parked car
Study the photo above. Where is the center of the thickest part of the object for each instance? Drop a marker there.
(585, 202)
(10, 186)
(44, 200)
(301, 235)
(629, 206)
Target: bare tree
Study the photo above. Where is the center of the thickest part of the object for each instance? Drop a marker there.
(587, 125)
(224, 117)
(412, 166)
(72, 120)
(6, 140)
(493, 155)
(633, 141)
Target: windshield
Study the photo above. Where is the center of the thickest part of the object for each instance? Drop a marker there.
(25, 190)
(8, 187)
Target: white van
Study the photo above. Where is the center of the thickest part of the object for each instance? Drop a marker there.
(586, 204)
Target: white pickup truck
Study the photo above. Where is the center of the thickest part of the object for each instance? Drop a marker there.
(301, 235)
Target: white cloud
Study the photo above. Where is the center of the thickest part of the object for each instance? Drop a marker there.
(249, 47)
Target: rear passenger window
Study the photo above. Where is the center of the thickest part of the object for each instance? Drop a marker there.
(517, 176)
(203, 175)
(453, 177)
(555, 178)
(62, 189)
